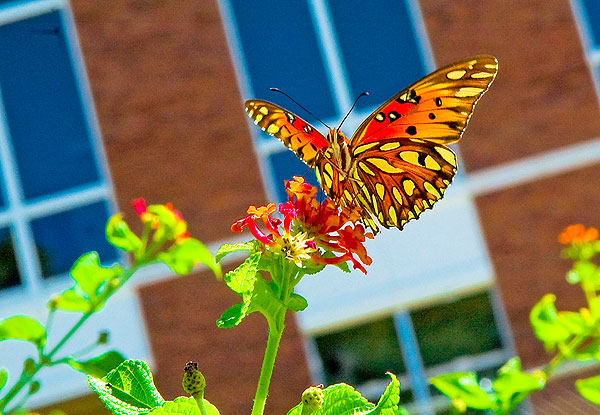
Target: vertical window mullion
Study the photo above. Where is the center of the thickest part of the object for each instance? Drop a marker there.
(23, 242)
(413, 361)
(330, 51)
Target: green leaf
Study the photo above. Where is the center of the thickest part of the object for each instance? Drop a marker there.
(463, 386)
(297, 302)
(128, 389)
(183, 256)
(70, 300)
(589, 388)
(227, 249)
(342, 399)
(232, 316)
(23, 328)
(184, 406)
(3, 378)
(512, 385)
(90, 275)
(119, 234)
(242, 278)
(99, 366)
(388, 403)
(572, 321)
(546, 324)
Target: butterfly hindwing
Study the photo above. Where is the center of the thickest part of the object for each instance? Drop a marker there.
(298, 135)
(401, 178)
(436, 108)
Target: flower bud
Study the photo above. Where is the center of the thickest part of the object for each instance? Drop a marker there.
(312, 400)
(193, 380)
(29, 366)
(34, 387)
(103, 337)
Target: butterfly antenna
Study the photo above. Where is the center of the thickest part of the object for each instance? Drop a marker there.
(362, 94)
(300, 105)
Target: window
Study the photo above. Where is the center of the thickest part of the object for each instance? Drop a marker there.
(458, 335)
(55, 192)
(587, 14)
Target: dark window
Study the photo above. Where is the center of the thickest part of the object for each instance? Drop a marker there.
(379, 47)
(9, 272)
(461, 328)
(281, 50)
(61, 238)
(361, 353)
(47, 125)
(592, 8)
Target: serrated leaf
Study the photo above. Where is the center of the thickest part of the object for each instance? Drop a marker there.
(23, 328)
(183, 256)
(90, 275)
(99, 366)
(343, 399)
(70, 300)
(589, 388)
(297, 302)
(463, 386)
(184, 406)
(119, 234)
(3, 378)
(227, 249)
(242, 278)
(388, 403)
(128, 389)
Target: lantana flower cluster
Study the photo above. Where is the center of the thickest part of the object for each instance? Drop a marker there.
(311, 231)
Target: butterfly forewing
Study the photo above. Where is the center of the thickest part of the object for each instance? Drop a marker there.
(298, 135)
(436, 108)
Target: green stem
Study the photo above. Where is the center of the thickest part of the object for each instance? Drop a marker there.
(199, 398)
(24, 379)
(556, 360)
(266, 371)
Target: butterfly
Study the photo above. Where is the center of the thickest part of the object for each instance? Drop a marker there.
(397, 163)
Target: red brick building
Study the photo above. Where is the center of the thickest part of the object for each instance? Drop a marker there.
(168, 80)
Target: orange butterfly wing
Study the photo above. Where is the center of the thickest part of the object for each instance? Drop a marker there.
(298, 135)
(436, 108)
(402, 164)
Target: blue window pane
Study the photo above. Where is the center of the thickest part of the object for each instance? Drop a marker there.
(592, 8)
(281, 50)
(284, 166)
(9, 272)
(2, 190)
(64, 237)
(45, 117)
(379, 47)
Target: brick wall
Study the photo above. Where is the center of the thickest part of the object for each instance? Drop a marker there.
(174, 130)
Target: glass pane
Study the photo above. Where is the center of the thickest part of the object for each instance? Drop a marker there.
(281, 50)
(9, 272)
(3, 193)
(461, 328)
(285, 165)
(592, 8)
(362, 353)
(65, 236)
(45, 117)
(379, 47)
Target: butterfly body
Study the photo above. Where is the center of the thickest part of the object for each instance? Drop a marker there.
(396, 164)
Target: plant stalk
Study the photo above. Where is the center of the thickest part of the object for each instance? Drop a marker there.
(266, 371)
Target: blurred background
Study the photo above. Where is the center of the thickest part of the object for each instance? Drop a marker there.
(103, 102)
